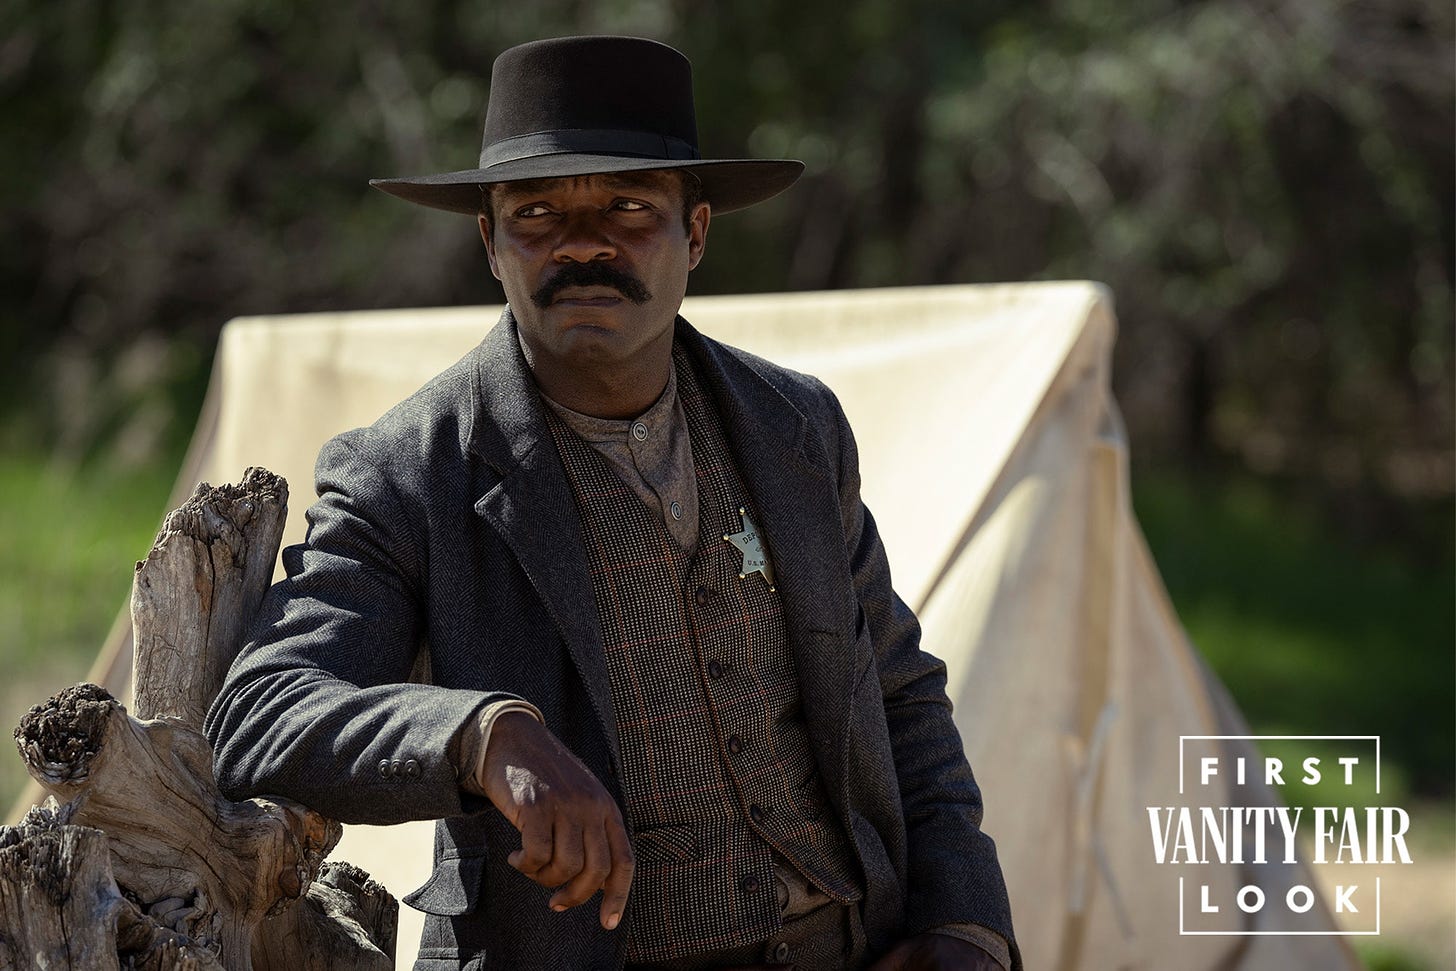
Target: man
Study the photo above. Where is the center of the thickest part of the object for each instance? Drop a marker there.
(666, 664)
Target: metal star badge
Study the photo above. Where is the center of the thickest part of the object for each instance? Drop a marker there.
(755, 560)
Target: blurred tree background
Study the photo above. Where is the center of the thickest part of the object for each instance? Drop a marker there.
(1265, 185)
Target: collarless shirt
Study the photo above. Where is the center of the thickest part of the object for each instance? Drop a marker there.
(653, 456)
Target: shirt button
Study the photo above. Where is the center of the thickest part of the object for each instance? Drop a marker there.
(756, 813)
(412, 769)
(639, 431)
(384, 768)
(676, 510)
(735, 744)
(781, 953)
(702, 596)
(750, 884)
(715, 670)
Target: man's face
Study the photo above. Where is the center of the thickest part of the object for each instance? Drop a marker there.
(595, 267)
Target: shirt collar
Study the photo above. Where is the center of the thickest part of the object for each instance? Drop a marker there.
(657, 418)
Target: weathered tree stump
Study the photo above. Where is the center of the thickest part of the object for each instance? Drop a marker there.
(61, 908)
(348, 913)
(218, 867)
(198, 589)
(197, 882)
(58, 901)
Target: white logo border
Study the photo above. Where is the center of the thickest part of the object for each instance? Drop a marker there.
(1261, 738)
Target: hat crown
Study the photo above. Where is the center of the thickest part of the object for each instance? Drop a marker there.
(573, 106)
(606, 84)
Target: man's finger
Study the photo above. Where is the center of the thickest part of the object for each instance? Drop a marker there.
(619, 879)
(535, 851)
(567, 855)
(596, 864)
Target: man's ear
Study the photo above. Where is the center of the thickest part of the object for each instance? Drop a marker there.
(489, 240)
(698, 233)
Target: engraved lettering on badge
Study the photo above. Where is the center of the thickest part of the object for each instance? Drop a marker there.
(755, 560)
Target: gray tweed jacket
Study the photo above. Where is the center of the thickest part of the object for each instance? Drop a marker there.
(449, 527)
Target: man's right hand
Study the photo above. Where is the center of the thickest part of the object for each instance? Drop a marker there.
(572, 835)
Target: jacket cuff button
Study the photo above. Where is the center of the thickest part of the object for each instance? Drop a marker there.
(412, 769)
(384, 768)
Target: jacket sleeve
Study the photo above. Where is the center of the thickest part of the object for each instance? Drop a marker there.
(315, 708)
(953, 874)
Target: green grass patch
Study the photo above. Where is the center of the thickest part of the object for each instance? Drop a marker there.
(1390, 957)
(70, 537)
(1314, 632)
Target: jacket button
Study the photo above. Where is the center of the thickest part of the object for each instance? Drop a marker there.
(715, 670)
(702, 596)
(735, 744)
(781, 953)
(750, 884)
(412, 769)
(757, 813)
(396, 768)
(384, 768)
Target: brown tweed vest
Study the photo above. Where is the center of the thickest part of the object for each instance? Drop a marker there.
(717, 768)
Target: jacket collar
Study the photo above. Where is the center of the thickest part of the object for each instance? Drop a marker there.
(508, 420)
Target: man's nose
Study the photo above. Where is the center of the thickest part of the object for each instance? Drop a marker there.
(583, 239)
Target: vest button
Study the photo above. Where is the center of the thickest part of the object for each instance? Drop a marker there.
(781, 953)
(702, 596)
(715, 670)
(756, 813)
(750, 884)
(735, 744)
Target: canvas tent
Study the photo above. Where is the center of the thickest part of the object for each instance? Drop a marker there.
(996, 466)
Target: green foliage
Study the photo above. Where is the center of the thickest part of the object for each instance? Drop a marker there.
(1387, 957)
(69, 537)
(1313, 633)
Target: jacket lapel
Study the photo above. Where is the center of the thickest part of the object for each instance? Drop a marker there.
(532, 507)
(787, 474)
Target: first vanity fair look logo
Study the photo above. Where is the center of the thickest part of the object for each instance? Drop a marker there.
(1230, 837)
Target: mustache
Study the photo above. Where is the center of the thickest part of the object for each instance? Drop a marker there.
(594, 274)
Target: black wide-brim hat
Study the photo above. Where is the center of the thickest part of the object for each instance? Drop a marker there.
(587, 105)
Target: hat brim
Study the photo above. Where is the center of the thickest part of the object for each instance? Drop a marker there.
(728, 184)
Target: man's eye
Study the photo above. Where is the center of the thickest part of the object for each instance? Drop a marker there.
(630, 205)
(528, 211)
